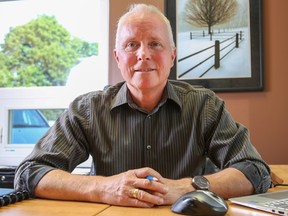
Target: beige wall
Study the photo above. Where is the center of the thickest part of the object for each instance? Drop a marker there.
(264, 113)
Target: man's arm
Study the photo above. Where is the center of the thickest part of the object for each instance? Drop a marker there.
(226, 183)
(230, 182)
(115, 190)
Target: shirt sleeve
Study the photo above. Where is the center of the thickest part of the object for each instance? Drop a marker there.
(228, 145)
(64, 146)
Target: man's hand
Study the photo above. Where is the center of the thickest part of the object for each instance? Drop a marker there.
(177, 188)
(131, 188)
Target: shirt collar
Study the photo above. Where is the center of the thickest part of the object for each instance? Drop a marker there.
(171, 94)
(123, 97)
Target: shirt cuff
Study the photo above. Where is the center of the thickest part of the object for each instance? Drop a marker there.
(257, 173)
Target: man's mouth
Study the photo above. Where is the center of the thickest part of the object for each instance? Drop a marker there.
(144, 70)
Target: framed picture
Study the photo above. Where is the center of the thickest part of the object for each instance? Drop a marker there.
(220, 49)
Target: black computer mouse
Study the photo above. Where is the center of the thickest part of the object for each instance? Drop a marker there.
(200, 203)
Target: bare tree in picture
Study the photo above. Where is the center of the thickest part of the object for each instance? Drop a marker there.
(207, 13)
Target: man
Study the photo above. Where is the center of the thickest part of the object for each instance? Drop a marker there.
(145, 126)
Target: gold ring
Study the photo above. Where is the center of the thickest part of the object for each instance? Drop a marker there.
(135, 193)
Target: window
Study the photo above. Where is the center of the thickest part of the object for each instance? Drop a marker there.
(54, 43)
(50, 52)
(27, 126)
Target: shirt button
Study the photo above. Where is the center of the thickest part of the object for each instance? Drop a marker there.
(148, 147)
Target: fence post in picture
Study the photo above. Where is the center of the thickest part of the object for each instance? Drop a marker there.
(217, 54)
(190, 35)
(237, 40)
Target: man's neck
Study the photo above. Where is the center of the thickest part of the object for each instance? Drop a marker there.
(146, 99)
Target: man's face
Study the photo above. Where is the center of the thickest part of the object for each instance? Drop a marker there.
(144, 54)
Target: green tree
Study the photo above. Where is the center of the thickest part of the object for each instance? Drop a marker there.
(5, 77)
(41, 53)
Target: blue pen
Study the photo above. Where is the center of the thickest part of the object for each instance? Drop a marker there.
(151, 178)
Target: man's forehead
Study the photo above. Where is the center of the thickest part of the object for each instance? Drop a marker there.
(142, 23)
(141, 32)
(144, 19)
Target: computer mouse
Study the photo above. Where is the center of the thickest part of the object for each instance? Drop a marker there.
(200, 203)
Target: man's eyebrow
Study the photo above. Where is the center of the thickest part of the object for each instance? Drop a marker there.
(156, 38)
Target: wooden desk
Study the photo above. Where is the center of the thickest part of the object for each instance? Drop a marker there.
(43, 207)
(36, 207)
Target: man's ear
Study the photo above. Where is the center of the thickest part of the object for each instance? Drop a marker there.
(115, 56)
(174, 53)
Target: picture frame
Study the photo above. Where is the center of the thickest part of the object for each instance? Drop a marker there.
(242, 66)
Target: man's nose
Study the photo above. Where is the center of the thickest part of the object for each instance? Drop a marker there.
(143, 53)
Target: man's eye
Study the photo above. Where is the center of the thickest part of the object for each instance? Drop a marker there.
(131, 46)
(155, 44)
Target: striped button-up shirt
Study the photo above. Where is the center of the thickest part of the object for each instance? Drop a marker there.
(188, 125)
